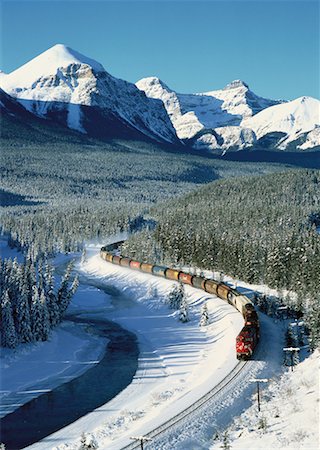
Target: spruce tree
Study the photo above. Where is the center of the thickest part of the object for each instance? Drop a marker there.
(184, 311)
(204, 319)
(23, 321)
(9, 336)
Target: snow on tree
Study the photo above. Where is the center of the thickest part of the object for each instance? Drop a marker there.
(9, 336)
(53, 307)
(184, 311)
(176, 296)
(23, 321)
(45, 329)
(88, 442)
(36, 315)
(65, 293)
(204, 319)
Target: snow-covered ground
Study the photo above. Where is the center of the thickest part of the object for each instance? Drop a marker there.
(32, 369)
(178, 363)
(289, 417)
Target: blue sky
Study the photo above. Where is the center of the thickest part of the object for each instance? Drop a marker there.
(193, 46)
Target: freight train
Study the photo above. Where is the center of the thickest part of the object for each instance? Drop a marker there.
(248, 337)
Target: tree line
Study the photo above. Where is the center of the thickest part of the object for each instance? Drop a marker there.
(31, 303)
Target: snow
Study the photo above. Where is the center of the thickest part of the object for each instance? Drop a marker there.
(191, 113)
(289, 417)
(174, 356)
(178, 363)
(237, 116)
(46, 64)
(31, 369)
(312, 140)
(300, 115)
(62, 79)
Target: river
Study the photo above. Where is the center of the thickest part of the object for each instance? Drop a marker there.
(68, 402)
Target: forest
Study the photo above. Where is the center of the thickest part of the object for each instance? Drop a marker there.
(254, 221)
(261, 230)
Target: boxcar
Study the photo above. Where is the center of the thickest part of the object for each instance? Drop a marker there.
(145, 267)
(185, 278)
(116, 259)
(172, 274)
(160, 271)
(211, 286)
(223, 291)
(108, 257)
(125, 262)
(198, 282)
(135, 265)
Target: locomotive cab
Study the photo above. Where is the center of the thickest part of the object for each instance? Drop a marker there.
(246, 342)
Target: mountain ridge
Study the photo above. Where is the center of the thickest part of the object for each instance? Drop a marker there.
(76, 91)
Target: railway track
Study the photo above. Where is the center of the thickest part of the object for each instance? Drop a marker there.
(194, 408)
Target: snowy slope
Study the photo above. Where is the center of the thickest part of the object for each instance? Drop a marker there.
(292, 119)
(289, 420)
(75, 90)
(235, 117)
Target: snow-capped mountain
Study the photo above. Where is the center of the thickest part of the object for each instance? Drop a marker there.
(69, 88)
(235, 117)
(292, 121)
(75, 90)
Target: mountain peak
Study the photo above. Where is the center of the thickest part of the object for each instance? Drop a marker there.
(47, 64)
(61, 56)
(236, 84)
(148, 83)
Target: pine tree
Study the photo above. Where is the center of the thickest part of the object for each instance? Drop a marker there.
(9, 336)
(65, 293)
(88, 442)
(176, 296)
(23, 321)
(204, 320)
(313, 321)
(184, 311)
(36, 315)
(45, 328)
(52, 303)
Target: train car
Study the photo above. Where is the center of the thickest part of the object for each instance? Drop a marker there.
(211, 286)
(125, 262)
(198, 282)
(185, 278)
(135, 265)
(160, 271)
(108, 257)
(116, 259)
(147, 268)
(246, 342)
(172, 274)
(223, 291)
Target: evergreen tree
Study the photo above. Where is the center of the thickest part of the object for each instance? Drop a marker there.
(204, 320)
(184, 311)
(45, 328)
(88, 442)
(23, 321)
(36, 315)
(9, 336)
(176, 296)
(313, 321)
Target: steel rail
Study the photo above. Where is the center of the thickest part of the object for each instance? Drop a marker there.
(173, 421)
